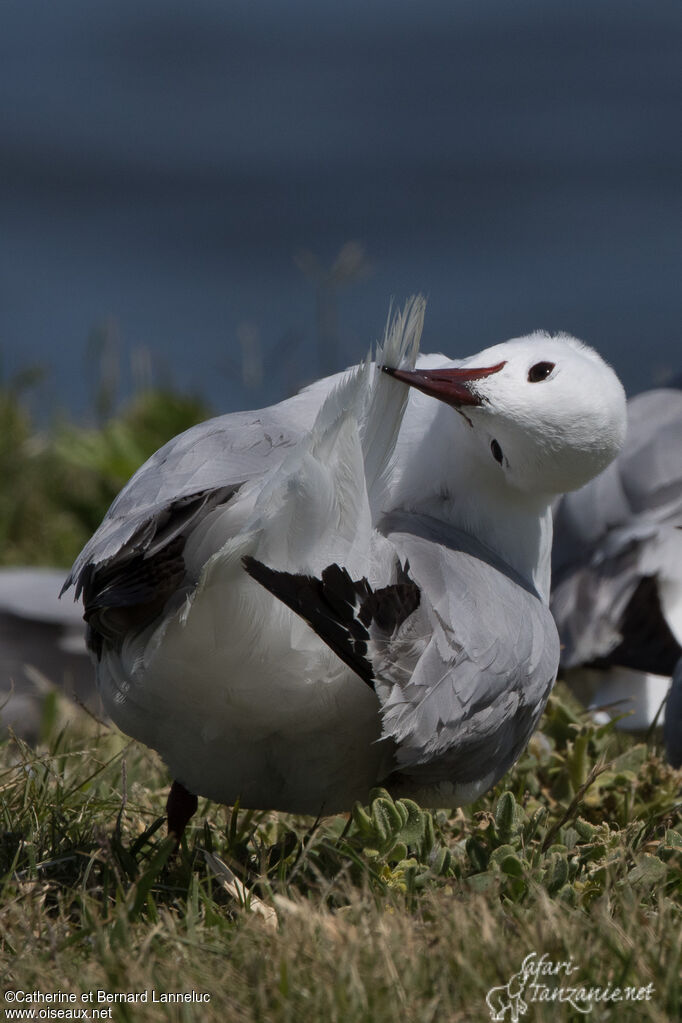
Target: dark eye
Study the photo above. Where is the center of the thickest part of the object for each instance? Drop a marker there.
(540, 371)
(496, 450)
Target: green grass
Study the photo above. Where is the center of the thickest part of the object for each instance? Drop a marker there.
(393, 914)
(58, 485)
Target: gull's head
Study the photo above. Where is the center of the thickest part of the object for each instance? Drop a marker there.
(545, 411)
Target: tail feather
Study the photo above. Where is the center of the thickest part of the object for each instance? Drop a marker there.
(387, 401)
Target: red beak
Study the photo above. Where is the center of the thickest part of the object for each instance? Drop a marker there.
(452, 386)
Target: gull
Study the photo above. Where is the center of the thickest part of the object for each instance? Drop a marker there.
(350, 588)
(617, 564)
(42, 645)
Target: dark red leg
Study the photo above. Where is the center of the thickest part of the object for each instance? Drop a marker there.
(181, 805)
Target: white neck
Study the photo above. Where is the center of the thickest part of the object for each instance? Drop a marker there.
(439, 472)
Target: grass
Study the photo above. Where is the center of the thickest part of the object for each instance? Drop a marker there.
(391, 914)
(57, 485)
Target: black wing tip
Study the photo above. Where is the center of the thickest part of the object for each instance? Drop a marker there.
(329, 605)
(72, 580)
(647, 641)
(257, 569)
(341, 610)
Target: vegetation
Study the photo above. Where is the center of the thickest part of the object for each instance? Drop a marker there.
(392, 913)
(57, 486)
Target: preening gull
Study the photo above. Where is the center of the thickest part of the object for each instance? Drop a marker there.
(350, 588)
(617, 568)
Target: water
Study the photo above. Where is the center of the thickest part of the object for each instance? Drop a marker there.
(162, 166)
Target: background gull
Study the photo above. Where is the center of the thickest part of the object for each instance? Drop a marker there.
(42, 645)
(617, 564)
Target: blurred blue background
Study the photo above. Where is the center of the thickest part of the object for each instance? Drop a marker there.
(231, 192)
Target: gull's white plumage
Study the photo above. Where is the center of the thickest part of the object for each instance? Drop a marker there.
(350, 588)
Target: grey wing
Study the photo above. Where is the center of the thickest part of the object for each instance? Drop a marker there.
(609, 610)
(461, 653)
(651, 462)
(189, 475)
(488, 659)
(614, 539)
(134, 564)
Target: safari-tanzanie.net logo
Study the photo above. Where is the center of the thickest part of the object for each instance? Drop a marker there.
(540, 980)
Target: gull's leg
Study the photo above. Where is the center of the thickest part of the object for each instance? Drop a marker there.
(180, 806)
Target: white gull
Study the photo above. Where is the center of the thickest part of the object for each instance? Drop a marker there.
(617, 563)
(350, 588)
